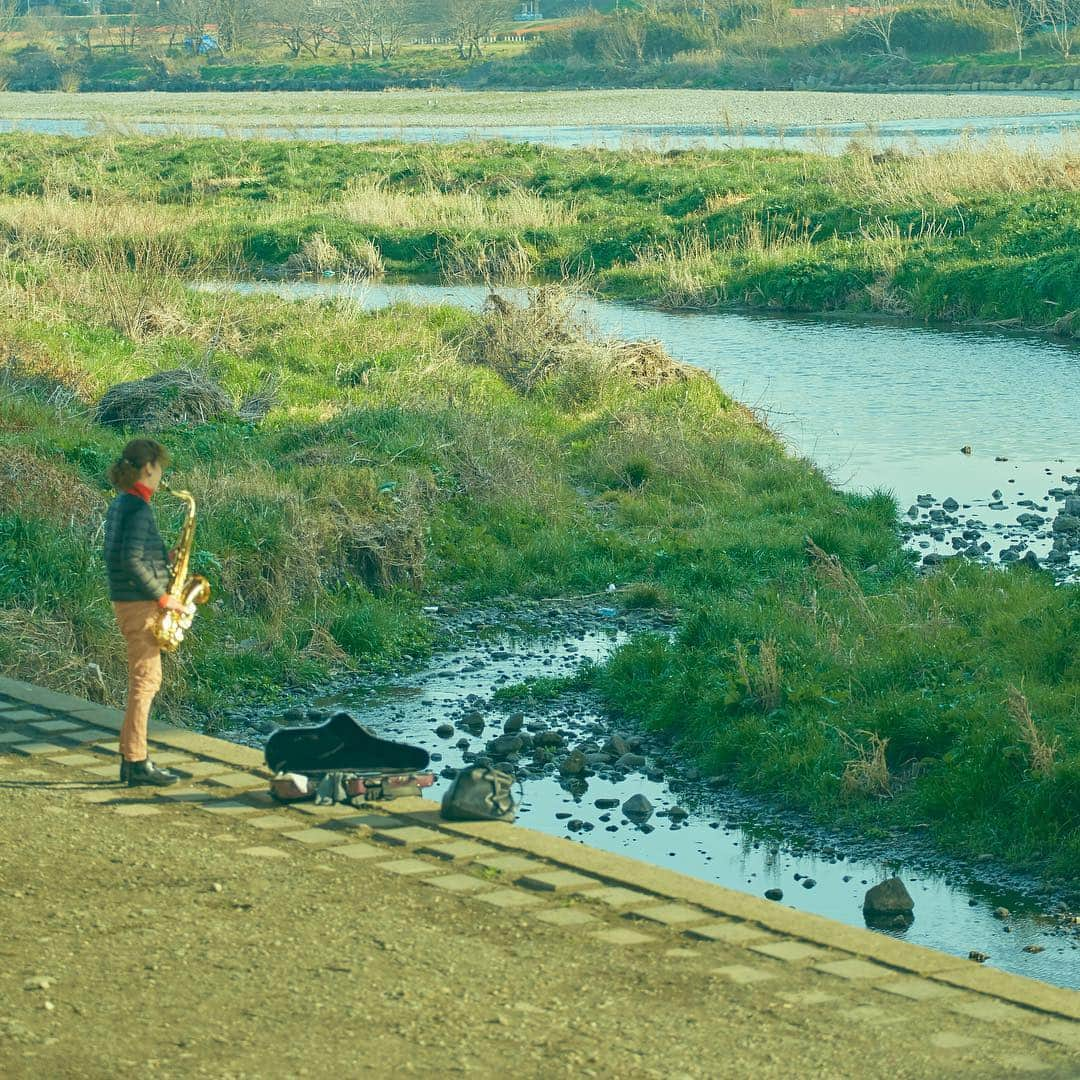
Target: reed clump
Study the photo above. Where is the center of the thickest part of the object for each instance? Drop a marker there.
(531, 343)
(867, 774)
(1042, 752)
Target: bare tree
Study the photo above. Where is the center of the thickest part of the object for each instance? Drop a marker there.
(302, 26)
(1021, 17)
(624, 43)
(367, 23)
(236, 22)
(396, 20)
(354, 25)
(192, 18)
(877, 23)
(1061, 17)
(471, 21)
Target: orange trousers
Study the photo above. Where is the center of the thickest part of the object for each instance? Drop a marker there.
(136, 617)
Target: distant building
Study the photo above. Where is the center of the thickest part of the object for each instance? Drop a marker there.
(530, 11)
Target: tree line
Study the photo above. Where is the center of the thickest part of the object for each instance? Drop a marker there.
(367, 28)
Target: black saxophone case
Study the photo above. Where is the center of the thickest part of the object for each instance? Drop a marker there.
(341, 744)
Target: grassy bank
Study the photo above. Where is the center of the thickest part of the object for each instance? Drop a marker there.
(384, 461)
(958, 236)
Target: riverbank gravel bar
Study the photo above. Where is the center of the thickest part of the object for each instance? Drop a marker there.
(776, 109)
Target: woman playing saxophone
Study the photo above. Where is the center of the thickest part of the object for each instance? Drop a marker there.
(139, 579)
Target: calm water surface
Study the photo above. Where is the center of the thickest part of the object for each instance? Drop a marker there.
(724, 839)
(1048, 133)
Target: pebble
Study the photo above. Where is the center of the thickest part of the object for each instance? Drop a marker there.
(774, 894)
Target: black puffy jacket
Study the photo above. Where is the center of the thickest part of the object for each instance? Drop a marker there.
(135, 555)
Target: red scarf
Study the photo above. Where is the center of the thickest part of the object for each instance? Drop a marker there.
(142, 491)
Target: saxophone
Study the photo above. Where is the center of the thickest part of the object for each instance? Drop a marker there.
(169, 626)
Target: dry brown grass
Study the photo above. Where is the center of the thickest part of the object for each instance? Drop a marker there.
(1042, 753)
(51, 225)
(763, 680)
(44, 648)
(832, 573)
(317, 255)
(39, 488)
(472, 258)
(527, 344)
(60, 382)
(942, 177)
(322, 647)
(868, 772)
(166, 399)
(369, 202)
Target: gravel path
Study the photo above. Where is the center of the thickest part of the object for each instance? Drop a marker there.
(141, 938)
(446, 108)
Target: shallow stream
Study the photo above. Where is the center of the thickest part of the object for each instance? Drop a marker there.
(726, 838)
(877, 405)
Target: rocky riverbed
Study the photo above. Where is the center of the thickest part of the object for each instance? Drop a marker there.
(982, 529)
(603, 783)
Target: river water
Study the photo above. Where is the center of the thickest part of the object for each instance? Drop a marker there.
(1047, 133)
(876, 405)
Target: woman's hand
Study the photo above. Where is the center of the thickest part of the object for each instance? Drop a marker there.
(172, 604)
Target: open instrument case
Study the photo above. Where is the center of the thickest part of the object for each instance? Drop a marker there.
(342, 760)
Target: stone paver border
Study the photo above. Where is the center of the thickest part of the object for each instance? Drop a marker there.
(857, 956)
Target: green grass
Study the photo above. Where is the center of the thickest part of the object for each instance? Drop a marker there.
(428, 455)
(962, 236)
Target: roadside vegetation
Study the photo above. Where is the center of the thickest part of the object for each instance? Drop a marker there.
(966, 235)
(359, 466)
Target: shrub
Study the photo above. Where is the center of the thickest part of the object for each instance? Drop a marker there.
(945, 31)
(33, 68)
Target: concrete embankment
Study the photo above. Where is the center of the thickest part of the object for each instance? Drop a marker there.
(203, 930)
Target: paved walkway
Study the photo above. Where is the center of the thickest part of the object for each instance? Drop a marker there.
(603, 965)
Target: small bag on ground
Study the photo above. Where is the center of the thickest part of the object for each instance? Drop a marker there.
(480, 794)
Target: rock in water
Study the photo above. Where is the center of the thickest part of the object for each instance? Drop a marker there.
(637, 808)
(572, 764)
(774, 894)
(889, 898)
